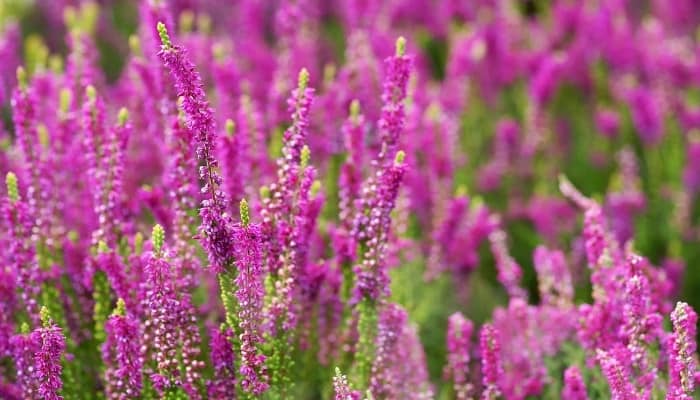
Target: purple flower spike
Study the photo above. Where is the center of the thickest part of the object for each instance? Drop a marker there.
(250, 293)
(18, 222)
(121, 353)
(50, 344)
(393, 117)
(372, 226)
(384, 381)
(553, 277)
(215, 230)
(491, 368)
(509, 272)
(617, 375)
(170, 330)
(24, 115)
(342, 388)
(682, 360)
(279, 207)
(459, 336)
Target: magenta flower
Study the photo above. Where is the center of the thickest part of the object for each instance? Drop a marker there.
(170, 331)
(618, 376)
(553, 277)
(223, 383)
(21, 254)
(509, 272)
(121, 353)
(641, 324)
(372, 226)
(23, 348)
(491, 368)
(279, 208)
(250, 293)
(459, 338)
(24, 110)
(50, 345)
(289, 216)
(34, 166)
(161, 308)
(384, 381)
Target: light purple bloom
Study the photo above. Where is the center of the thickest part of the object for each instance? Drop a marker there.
(372, 227)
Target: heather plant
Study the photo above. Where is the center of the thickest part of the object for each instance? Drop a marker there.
(307, 199)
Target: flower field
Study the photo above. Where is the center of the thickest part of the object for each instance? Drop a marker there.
(349, 199)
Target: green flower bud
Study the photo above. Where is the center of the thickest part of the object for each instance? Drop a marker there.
(123, 116)
(121, 308)
(135, 45)
(230, 127)
(45, 317)
(91, 93)
(400, 156)
(245, 212)
(400, 46)
(163, 33)
(12, 190)
(158, 238)
(303, 79)
(305, 156)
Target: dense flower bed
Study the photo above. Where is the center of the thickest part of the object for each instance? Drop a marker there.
(300, 199)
